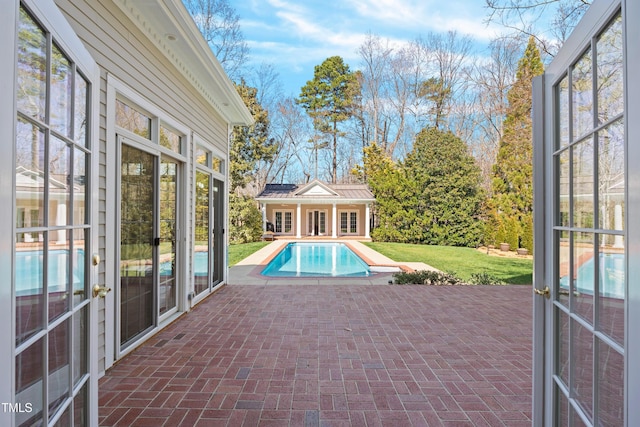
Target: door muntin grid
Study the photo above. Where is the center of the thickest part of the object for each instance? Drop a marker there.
(590, 186)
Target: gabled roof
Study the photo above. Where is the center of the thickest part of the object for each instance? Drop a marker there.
(171, 29)
(316, 191)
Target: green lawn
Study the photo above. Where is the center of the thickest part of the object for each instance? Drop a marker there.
(239, 252)
(460, 261)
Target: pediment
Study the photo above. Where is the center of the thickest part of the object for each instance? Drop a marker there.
(316, 188)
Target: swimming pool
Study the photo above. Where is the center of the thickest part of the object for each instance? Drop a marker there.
(611, 282)
(316, 259)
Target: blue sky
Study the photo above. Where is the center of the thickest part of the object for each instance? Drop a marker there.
(294, 36)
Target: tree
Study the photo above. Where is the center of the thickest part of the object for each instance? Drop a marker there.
(328, 100)
(220, 26)
(522, 16)
(249, 144)
(511, 206)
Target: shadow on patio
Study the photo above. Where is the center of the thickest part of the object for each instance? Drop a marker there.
(333, 355)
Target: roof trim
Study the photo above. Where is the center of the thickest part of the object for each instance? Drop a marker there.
(316, 183)
(168, 25)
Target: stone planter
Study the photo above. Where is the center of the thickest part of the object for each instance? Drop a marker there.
(523, 251)
(504, 247)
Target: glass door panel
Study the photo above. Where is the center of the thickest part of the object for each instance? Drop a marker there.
(201, 263)
(137, 232)
(218, 241)
(168, 229)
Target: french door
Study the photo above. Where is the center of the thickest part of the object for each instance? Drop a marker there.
(317, 222)
(53, 242)
(148, 240)
(586, 295)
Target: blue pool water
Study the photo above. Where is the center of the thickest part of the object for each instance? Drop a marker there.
(316, 260)
(611, 283)
(29, 271)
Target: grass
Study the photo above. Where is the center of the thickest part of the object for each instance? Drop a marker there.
(239, 252)
(462, 262)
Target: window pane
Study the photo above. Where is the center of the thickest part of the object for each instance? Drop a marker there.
(582, 359)
(32, 68)
(611, 287)
(29, 288)
(563, 112)
(564, 178)
(80, 408)
(343, 222)
(58, 366)
(29, 382)
(610, 386)
(582, 184)
(562, 337)
(79, 187)
(58, 278)
(170, 139)
(353, 224)
(59, 181)
(201, 241)
(217, 165)
(564, 267)
(583, 275)
(30, 183)
(133, 120)
(80, 113)
(287, 222)
(582, 96)
(80, 292)
(611, 177)
(562, 411)
(61, 90)
(610, 78)
(202, 156)
(79, 344)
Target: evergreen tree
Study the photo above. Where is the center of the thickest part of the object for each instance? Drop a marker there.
(511, 206)
(329, 100)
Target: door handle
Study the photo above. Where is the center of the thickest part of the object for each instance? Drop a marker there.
(546, 292)
(100, 291)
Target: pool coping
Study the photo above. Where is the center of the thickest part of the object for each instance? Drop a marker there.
(248, 271)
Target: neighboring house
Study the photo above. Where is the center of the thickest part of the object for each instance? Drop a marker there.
(317, 209)
(114, 126)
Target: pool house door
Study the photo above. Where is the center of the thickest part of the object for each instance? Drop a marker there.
(317, 222)
(587, 237)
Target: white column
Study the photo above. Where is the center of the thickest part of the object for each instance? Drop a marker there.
(367, 221)
(299, 221)
(264, 217)
(618, 241)
(334, 221)
(61, 219)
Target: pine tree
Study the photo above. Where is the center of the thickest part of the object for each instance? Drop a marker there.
(511, 206)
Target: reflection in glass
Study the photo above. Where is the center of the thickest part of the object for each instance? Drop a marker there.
(564, 178)
(202, 232)
(582, 79)
(79, 186)
(582, 184)
(29, 382)
(563, 112)
(610, 386)
(61, 93)
(562, 412)
(611, 287)
(562, 337)
(58, 278)
(133, 120)
(58, 383)
(217, 165)
(202, 156)
(168, 242)
(610, 77)
(59, 181)
(79, 408)
(80, 112)
(78, 268)
(170, 139)
(582, 359)
(30, 179)
(611, 177)
(583, 275)
(79, 344)
(564, 267)
(136, 243)
(32, 68)
(29, 289)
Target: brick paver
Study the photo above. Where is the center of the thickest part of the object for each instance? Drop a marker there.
(333, 356)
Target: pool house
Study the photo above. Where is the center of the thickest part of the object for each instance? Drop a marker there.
(316, 209)
(115, 120)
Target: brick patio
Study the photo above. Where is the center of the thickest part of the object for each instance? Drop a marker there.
(333, 356)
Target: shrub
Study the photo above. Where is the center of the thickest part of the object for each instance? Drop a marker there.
(425, 277)
(485, 279)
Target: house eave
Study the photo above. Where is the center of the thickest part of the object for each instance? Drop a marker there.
(168, 25)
